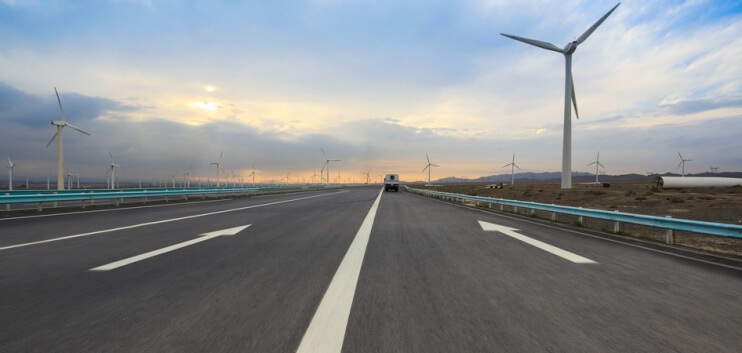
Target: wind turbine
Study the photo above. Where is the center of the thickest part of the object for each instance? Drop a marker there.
(112, 171)
(10, 167)
(327, 163)
(253, 175)
(218, 165)
(367, 174)
(314, 174)
(512, 166)
(60, 155)
(682, 162)
(188, 176)
(429, 167)
(597, 165)
(569, 92)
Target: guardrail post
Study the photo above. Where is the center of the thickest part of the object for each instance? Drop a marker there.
(38, 207)
(617, 226)
(490, 204)
(502, 207)
(533, 212)
(515, 209)
(554, 217)
(82, 204)
(55, 202)
(7, 206)
(669, 235)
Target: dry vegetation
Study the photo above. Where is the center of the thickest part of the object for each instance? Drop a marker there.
(722, 205)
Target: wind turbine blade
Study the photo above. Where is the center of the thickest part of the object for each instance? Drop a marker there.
(592, 28)
(426, 167)
(538, 43)
(50, 141)
(601, 165)
(75, 128)
(574, 97)
(60, 104)
(428, 158)
(507, 165)
(681, 156)
(515, 165)
(681, 162)
(220, 156)
(435, 165)
(323, 152)
(591, 163)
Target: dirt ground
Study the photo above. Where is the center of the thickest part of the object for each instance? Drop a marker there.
(722, 205)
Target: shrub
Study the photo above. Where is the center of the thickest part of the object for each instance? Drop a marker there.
(676, 199)
(630, 193)
(640, 198)
(595, 192)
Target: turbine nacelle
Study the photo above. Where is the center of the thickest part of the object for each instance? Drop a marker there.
(570, 48)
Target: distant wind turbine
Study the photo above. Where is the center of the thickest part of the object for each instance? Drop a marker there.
(253, 175)
(10, 167)
(112, 170)
(512, 166)
(368, 175)
(429, 167)
(188, 176)
(597, 165)
(218, 166)
(327, 164)
(682, 163)
(58, 135)
(569, 92)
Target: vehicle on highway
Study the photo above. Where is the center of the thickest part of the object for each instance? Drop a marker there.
(391, 182)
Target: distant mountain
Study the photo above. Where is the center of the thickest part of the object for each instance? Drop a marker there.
(577, 177)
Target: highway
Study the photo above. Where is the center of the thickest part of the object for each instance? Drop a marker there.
(351, 270)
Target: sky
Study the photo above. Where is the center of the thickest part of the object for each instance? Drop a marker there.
(168, 85)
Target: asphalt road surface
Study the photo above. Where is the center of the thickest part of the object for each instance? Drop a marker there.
(356, 270)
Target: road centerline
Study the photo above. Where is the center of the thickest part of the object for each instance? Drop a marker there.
(158, 222)
(326, 331)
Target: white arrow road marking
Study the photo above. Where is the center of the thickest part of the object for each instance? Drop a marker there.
(204, 237)
(327, 329)
(512, 232)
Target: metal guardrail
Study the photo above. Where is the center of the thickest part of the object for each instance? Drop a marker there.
(52, 196)
(719, 229)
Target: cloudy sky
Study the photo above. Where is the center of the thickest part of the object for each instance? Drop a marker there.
(167, 84)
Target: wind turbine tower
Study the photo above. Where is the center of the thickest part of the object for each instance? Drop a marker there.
(597, 165)
(112, 171)
(218, 165)
(512, 166)
(58, 135)
(429, 167)
(10, 167)
(569, 92)
(327, 164)
(682, 163)
(367, 174)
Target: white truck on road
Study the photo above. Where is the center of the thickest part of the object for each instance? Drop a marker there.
(391, 182)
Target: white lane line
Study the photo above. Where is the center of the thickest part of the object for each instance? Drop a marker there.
(511, 232)
(158, 222)
(326, 332)
(133, 259)
(110, 210)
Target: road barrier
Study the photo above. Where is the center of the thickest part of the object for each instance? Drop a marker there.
(671, 224)
(40, 197)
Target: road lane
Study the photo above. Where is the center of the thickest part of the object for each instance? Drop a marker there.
(243, 293)
(433, 281)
